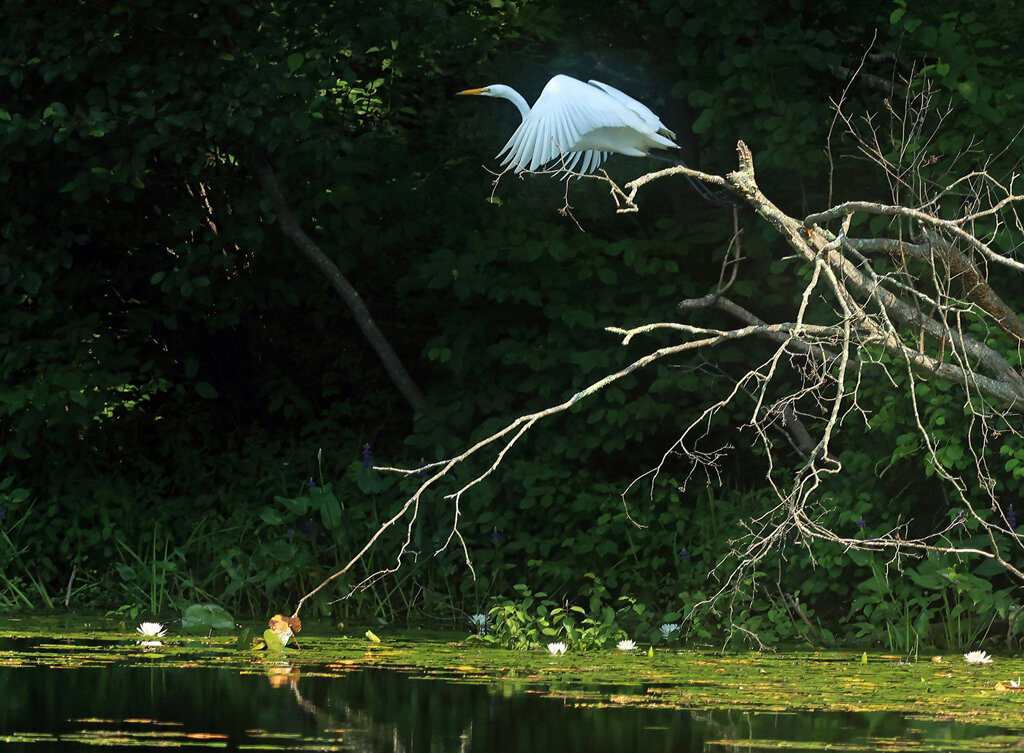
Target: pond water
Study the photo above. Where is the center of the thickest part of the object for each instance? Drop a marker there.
(98, 689)
(388, 710)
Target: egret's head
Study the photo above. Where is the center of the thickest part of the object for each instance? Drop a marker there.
(494, 90)
(503, 92)
(484, 91)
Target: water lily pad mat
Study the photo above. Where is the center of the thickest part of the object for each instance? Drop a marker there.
(784, 681)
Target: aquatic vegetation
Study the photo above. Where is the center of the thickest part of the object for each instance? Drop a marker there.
(626, 645)
(285, 627)
(669, 679)
(151, 630)
(205, 618)
(977, 657)
(532, 619)
(479, 623)
(939, 589)
(556, 649)
(281, 629)
(669, 630)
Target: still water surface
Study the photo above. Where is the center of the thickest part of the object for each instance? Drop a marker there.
(44, 708)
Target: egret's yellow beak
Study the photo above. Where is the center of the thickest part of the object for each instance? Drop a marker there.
(472, 91)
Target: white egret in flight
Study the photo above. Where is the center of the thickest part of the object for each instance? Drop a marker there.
(579, 123)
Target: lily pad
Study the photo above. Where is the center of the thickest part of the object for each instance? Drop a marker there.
(273, 643)
(205, 618)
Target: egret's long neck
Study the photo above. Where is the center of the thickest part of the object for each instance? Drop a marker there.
(507, 92)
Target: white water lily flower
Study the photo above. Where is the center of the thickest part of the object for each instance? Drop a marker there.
(1015, 683)
(479, 623)
(977, 657)
(151, 630)
(668, 629)
(557, 649)
(626, 645)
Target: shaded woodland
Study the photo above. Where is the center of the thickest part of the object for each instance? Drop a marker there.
(197, 197)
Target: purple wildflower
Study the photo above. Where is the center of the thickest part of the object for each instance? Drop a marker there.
(861, 523)
(289, 534)
(495, 535)
(310, 484)
(367, 456)
(684, 555)
(1011, 517)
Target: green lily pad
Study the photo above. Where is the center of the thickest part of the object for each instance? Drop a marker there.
(272, 641)
(205, 618)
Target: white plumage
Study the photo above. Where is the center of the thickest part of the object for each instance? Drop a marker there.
(579, 125)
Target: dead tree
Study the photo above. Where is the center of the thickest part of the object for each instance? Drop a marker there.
(853, 316)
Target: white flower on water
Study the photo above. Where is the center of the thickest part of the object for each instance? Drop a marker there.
(668, 629)
(557, 649)
(977, 657)
(151, 630)
(479, 623)
(626, 645)
(1015, 683)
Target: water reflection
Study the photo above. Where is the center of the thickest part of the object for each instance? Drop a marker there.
(275, 706)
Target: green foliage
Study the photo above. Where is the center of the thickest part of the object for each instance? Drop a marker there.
(170, 364)
(272, 641)
(147, 579)
(939, 602)
(533, 620)
(205, 618)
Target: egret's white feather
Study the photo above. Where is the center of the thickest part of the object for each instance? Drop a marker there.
(638, 107)
(578, 124)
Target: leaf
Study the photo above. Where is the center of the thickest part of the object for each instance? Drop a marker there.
(206, 391)
(330, 508)
(244, 642)
(372, 636)
(295, 61)
(270, 517)
(273, 642)
(205, 618)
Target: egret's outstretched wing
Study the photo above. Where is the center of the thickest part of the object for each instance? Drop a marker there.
(638, 107)
(580, 122)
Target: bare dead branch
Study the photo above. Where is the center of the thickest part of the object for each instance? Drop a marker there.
(927, 315)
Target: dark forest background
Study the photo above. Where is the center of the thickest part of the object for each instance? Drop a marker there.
(189, 412)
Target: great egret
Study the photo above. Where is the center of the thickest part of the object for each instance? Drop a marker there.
(576, 121)
(579, 123)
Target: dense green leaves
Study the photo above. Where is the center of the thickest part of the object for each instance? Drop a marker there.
(168, 355)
